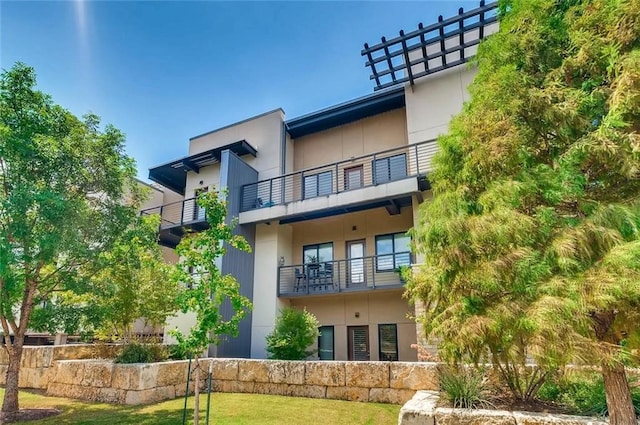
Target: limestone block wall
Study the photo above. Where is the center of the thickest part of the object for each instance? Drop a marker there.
(37, 361)
(382, 382)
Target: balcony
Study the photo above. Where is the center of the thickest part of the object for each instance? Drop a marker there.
(178, 218)
(377, 177)
(342, 276)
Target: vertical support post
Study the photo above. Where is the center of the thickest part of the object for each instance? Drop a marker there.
(441, 33)
(182, 211)
(271, 191)
(161, 209)
(406, 57)
(373, 272)
(339, 274)
(417, 161)
(209, 391)
(279, 281)
(481, 22)
(302, 184)
(337, 185)
(388, 56)
(461, 35)
(186, 394)
(373, 65)
(424, 47)
(373, 170)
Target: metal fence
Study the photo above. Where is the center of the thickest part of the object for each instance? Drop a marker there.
(178, 213)
(356, 274)
(368, 170)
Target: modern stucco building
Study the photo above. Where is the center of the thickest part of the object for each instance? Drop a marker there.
(326, 199)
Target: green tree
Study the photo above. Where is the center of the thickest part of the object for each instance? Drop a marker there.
(204, 287)
(532, 240)
(62, 185)
(295, 331)
(136, 282)
(128, 282)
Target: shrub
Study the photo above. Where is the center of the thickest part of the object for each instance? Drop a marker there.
(582, 393)
(464, 387)
(295, 331)
(142, 353)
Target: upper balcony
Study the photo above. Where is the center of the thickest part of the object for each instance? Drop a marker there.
(367, 181)
(177, 218)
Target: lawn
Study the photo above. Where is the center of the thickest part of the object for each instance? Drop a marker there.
(226, 409)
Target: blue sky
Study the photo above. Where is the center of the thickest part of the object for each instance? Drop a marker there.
(164, 71)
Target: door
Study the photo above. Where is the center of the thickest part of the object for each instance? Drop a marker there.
(353, 178)
(355, 262)
(358, 342)
(198, 212)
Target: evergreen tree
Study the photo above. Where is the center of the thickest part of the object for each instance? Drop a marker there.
(532, 240)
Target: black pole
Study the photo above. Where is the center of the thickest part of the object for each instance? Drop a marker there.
(186, 393)
(209, 394)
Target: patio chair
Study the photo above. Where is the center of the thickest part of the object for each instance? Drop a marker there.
(300, 277)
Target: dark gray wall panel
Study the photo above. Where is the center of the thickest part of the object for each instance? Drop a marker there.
(234, 173)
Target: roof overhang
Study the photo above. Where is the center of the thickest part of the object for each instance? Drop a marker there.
(173, 175)
(347, 112)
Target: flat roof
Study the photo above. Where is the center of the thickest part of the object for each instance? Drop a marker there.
(173, 175)
(347, 112)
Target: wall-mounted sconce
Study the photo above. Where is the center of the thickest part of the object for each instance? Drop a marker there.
(354, 228)
(201, 182)
(357, 314)
(281, 261)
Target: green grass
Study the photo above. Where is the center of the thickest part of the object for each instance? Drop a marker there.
(225, 409)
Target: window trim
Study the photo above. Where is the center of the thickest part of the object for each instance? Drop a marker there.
(395, 327)
(393, 254)
(333, 342)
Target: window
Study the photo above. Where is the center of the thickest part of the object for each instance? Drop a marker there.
(318, 184)
(353, 178)
(318, 253)
(388, 336)
(392, 251)
(325, 343)
(390, 168)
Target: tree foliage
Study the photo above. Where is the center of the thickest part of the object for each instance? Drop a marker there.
(62, 186)
(128, 282)
(204, 287)
(295, 331)
(532, 240)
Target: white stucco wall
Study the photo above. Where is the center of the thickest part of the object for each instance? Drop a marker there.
(272, 242)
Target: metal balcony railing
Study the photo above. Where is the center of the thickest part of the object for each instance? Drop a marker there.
(352, 275)
(355, 173)
(178, 213)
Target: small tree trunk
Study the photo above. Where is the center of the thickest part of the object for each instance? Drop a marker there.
(10, 402)
(616, 388)
(196, 394)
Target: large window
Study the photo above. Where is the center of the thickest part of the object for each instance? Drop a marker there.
(318, 184)
(390, 168)
(388, 336)
(392, 251)
(325, 343)
(318, 253)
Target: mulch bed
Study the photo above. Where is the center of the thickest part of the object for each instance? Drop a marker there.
(28, 415)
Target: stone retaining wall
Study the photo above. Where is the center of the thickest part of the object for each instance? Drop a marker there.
(422, 410)
(37, 361)
(382, 382)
